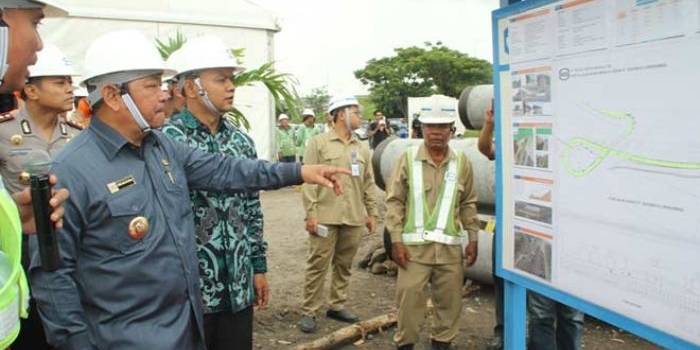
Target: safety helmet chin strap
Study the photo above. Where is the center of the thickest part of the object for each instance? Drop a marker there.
(347, 119)
(204, 96)
(134, 110)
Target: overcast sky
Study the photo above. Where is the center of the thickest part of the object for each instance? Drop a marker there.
(323, 41)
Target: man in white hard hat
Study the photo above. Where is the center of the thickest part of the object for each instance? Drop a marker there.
(128, 275)
(286, 144)
(37, 127)
(431, 201)
(306, 132)
(228, 227)
(336, 224)
(19, 43)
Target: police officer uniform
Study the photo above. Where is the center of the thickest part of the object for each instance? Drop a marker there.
(19, 137)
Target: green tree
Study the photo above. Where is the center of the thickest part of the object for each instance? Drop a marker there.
(280, 85)
(420, 71)
(317, 100)
(368, 107)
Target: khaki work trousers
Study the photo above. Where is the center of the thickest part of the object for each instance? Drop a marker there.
(338, 250)
(446, 282)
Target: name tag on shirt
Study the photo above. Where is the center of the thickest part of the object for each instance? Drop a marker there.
(355, 165)
(355, 169)
(119, 185)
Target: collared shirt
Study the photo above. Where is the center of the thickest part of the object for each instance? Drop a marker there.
(18, 138)
(433, 175)
(304, 134)
(228, 227)
(285, 142)
(359, 197)
(117, 292)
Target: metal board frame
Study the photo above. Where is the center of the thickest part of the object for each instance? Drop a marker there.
(517, 285)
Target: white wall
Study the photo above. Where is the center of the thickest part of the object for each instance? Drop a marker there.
(75, 33)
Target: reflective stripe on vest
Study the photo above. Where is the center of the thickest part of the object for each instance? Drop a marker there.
(444, 209)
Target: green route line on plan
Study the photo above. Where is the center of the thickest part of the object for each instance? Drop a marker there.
(604, 151)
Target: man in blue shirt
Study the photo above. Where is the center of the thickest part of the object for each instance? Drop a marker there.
(129, 276)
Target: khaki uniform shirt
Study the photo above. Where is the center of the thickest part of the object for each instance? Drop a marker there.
(433, 175)
(18, 138)
(359, 197)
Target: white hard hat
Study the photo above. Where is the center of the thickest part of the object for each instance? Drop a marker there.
(171, 63)
(438, 111)
(122, 51)
(308, 111)
(205, 52)
(51, 62)
(342, 101)
(282, 117)
(52, 8)
(79, 91)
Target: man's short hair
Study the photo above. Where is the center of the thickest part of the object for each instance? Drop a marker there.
(32, 81)
(377, 111)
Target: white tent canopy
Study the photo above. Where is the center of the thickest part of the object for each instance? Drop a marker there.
(239, 23)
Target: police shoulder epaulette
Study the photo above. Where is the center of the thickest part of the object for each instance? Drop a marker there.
(73, 125)
(5, 117)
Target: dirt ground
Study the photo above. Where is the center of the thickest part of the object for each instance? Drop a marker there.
(369, 295)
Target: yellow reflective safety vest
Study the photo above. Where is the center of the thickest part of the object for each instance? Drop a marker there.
(424, 226)
(14, 293)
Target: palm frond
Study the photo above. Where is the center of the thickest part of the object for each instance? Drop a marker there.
(236, 117)
(280, 85)
(166, 48)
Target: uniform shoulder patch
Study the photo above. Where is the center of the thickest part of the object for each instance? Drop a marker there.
(6, 117)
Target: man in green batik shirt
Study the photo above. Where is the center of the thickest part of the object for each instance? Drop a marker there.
(229, 227)
(306, 132)
(286, 145)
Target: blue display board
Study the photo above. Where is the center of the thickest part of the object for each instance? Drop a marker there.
(555, 45)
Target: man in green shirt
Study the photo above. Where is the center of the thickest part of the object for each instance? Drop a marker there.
(306, 132)
(286, 145)
(228, 227)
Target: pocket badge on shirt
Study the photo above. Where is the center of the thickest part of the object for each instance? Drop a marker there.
(355, 169)
(138, 227)
(355, 165)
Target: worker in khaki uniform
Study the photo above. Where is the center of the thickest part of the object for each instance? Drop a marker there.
(336, 224)
(431, 201)
(36, 133)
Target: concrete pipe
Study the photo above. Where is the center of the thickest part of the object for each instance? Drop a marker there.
(482, 271)
(388, 153)
(474, 101)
